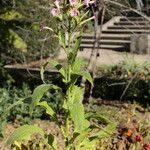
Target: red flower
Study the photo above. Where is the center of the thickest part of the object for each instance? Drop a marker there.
(146, 146)
(138, 138)
(134, 121)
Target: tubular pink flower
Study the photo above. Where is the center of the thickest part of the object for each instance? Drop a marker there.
(73, 2)
(73, 12)
(88, 2)
(54, 12)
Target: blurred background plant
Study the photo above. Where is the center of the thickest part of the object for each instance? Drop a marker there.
(21, 39)
(19, 114)
(127, 80)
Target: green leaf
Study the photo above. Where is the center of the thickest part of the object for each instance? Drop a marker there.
(77, 44)
(48, 109)
(83, 142)
(86, 75)
(10, 15)
(77, 65)
(24, 133)
(17, 41)
(38, 94)
(52, 141)
(77, 115)
(88, 145)
(59, 67)
(61, 37)
(106, 132)
(76, 94)
(97, 116)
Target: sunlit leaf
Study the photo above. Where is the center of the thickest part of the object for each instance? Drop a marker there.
(106, 132)
(86, 75)
(97, 116)
(17, 41)
(48, 109)
(76, 94)
(59, 67)
(77, 115)
(77, 65)
(12, 14)
(38, 93)
(24, 133)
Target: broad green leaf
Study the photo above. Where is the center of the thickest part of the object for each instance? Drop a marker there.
(77, 115)
(59, 67)
(97, 116)
(24, 133)
(17, 41)
(85, 75)
(78, 138)
(61, 37)
(38, 93)
(76, 94)
(88, 145)
(77, 65)
(106, 132)
(77, 44)
(10, 15)
(52, 141)
(48, 109)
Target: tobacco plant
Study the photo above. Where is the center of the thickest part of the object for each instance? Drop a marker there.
(78, 130)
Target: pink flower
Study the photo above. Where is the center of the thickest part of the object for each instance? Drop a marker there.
(54, 11)
(87, 2)
(73, 12)
(73, 2)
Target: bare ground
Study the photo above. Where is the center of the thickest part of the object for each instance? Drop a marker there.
(107, 57)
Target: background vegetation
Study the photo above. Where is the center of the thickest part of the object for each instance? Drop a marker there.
(21, 39)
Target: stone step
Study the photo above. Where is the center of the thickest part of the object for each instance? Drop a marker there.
(132, 23)
(102, 46)
(109, 42)
(115, 47)
(126, 31)
(133, 19)
(108, 36)
(136, 27)
(116, 36)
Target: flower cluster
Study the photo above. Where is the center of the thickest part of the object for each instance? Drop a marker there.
(74, 6)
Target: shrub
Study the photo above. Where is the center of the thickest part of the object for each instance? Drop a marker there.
(126, 81)
(21, 39)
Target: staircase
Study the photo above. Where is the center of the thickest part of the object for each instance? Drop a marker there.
(117, 32)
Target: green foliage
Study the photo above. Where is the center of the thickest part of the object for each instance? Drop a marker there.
(11, 105)
(19, 98)
(20, 23)
(24, 133)
(12, 14)
(17, 42)
(74, 125)
(113, 80)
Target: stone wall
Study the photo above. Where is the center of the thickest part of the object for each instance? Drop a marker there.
(140, 43)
